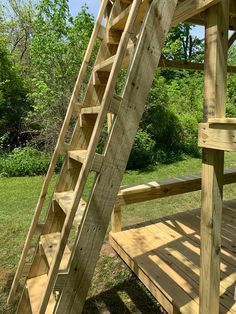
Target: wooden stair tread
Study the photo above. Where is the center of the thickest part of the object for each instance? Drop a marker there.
(106, 65)
(49, 244)
(79, 155)
(119, 22)
(36, 287)
(91, 110)
(65, 201)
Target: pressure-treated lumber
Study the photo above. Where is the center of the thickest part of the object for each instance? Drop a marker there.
(158, 189)
(138, 84)
(107, 97)
(216, 47)
(217, 136)
(57, 151)
(49, 243)
(35, 288)
(165, 255)
(184, 11)
(178, 64)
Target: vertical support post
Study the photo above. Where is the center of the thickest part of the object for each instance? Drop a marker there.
(116, 219)
(216, 46)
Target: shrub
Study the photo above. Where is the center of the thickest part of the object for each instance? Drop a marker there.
(25, 161)
(142, 152)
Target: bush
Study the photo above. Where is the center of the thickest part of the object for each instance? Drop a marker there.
(142, 152)
(25, 161)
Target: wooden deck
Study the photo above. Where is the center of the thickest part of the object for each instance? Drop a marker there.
(165, 255)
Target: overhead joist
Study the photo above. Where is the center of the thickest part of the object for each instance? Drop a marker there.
(184, 11)
(187, 9)
(179, 64)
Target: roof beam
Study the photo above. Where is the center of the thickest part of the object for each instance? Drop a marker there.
(179, 64)
(187, 9)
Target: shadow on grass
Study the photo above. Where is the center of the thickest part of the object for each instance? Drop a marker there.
(126, 297)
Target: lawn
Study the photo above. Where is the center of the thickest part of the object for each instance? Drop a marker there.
(114, 288)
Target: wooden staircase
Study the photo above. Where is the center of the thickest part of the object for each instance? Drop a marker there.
(59, 277)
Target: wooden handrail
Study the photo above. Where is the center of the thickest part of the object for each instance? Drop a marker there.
(131, 194)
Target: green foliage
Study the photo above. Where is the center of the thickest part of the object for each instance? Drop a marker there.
(180, 44)
(14, 104)
(56, 66)
(142, 152)
(25, 162)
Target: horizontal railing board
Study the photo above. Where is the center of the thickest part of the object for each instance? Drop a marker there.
(157, 189)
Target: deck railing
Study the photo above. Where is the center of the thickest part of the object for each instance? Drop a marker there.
(131, 194)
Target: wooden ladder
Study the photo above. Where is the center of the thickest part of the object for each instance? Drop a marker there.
(59, 278)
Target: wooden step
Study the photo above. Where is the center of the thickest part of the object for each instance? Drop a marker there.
(80, 156)
(90, 110)
(106, 65)
(100, 78)
(36, 287)
(118, 23)
(88, 116)
(65, 201)
(49, 244)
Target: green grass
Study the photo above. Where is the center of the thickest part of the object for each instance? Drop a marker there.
(114, 286)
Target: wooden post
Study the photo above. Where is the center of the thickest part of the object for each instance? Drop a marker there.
(216, 46)
(116, 219)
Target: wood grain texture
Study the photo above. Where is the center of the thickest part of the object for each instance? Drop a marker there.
(216, 48)
(217, 136)
(116, 155)
(132, 194)
(165, 255)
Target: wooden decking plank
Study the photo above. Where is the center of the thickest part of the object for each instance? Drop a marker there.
(183, 221)
(157, 292)
(153, 240)
(157, 275)
(228, 237)
(177, 261)
(190, 265)
(191, 255)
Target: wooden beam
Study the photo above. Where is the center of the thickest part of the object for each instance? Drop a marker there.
(217, 136)
(216, 47)
(187, 9)
(178, 64)
(158, 189)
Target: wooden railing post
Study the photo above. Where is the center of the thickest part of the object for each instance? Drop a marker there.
(116, 219)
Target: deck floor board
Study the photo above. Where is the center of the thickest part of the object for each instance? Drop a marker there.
(165, 255)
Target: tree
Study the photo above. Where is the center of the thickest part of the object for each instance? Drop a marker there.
(181, 45)
(14, 104)
(56, 51)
